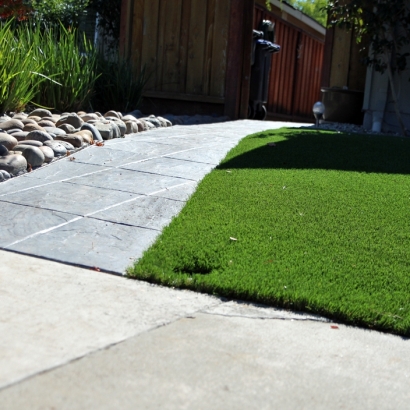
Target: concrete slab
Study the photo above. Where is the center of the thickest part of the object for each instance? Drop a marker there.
(125, 179)
(179, 193)
(65, 169)
(205, 155)
(71, 198)
(19, 184)
(20, 221)
(148, 149)
(51, 314)
(107, 157)
(210, 361)
(172, 167)
(147, 212)
(91, 243)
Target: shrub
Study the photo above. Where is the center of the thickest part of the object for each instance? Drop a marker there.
(119, 87)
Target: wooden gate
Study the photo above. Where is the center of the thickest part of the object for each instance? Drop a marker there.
(295, 78)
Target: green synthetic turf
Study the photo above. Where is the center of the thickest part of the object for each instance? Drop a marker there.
(318, 222)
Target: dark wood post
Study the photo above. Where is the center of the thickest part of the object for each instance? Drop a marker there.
(239, 58)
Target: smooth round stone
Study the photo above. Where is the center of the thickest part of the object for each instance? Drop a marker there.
(67, 128)
(8, 141)
(112, 113)
(154, 121)
(71, 119)
(132, 127)
(46, 123)
(48, 154)
(20, 116)
(51, 118)
(120, 124)
(33, 127)
(4, 175)
(39, 136)
(88, 117)
(55, 130)
(35, 118)
(105, 129)
(129, 117)
(40, 112)
(75, 140)
(145, 124)
(20, 136)
(13, 131)
(34, 156)
(3, 151)
(58, 148)
(95, 133)
(14, 164)
(149, 124)
(65, 144)
(116, 133)
(86, 136)
(165, 122)
(28, 121)
(20, 148)
(11, 124)
(4, 118)
(33, 143)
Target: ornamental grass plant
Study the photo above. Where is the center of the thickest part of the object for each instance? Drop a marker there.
(71, 62)
(21, 71)
(47, 66)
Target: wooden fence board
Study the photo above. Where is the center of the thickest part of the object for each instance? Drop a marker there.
(161, 43)
(183, 44)
(209, 32)
(220, 45)
(150, 40)
(137, 33)
(196, 48)
(172, 28)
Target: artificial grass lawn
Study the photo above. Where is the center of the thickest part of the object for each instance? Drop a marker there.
(319, 222)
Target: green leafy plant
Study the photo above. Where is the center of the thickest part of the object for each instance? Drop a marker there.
(119, 87)
(70, 60)
(54, 12)
(21, 71)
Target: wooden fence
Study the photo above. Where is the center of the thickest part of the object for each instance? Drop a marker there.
(199, 54)
(183, 43)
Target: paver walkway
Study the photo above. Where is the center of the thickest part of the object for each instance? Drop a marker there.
(103, 206)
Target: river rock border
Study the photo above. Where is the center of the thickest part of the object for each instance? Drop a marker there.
(29, 141)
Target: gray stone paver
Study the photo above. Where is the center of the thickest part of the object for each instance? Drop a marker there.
(147, 212)
(20, 221)
(90, 242)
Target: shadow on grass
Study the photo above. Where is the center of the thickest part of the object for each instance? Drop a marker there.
(332, 151)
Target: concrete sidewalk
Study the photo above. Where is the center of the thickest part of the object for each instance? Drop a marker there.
(73, 338)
